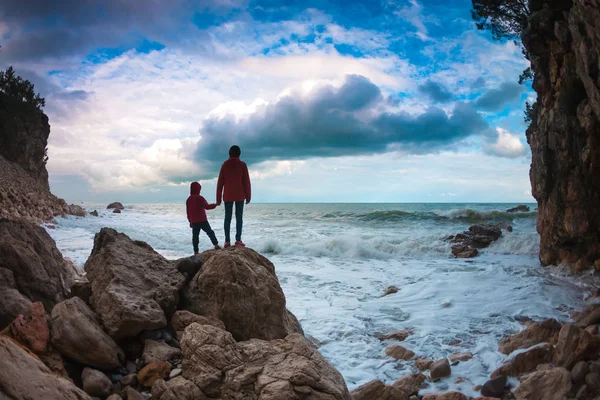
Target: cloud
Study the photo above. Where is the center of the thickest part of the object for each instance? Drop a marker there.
(497, 99)
(413, 14)
(506, 145)
(435, 92)
(331, 122)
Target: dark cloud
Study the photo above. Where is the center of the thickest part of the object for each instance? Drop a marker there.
(332, 122)
(435, 92)
(497, 99)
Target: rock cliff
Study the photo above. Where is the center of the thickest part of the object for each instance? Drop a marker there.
(563, 40)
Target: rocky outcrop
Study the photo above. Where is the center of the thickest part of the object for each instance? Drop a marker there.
(116, 206)
(24, 376)
(39, 271)
(519, 208)
(467, 243)
(76, 333)
(538, 332)
(133, 287)
(239, 287)
(289, 368)
(563, 43)
(526, 361)
(551, 384)
(378, 390)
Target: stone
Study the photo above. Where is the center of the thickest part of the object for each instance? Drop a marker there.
(182, 318)
(279, 369)
(423, 363)
(537, 332)
(76, 210)
(116, 211)
(17, 366)
(494, 387)
(115, 205)
(158, 350)
(376, 389)
(519, 208)
(33, 330)
(95, 383)
(114, 397)
(592, 381)
(40, 273)
(179, 389)
(526, 361)
(152, 372)
(439, 369)
(445, 396)
(174, 373)
(82, 289)
(399, 353)
(133, 394)
(189, 266)
(159, 387)
(456, 357)
(461, 251)
(53, 360)
(574, 344)
(590, 316)
(398, 335)
(133, 287)
(410, 384)
(12, 302)
(390, 290)
(239, 287)
(579, 371)
(551, 384)
(130, 379)
(76, 333)
(94, 213)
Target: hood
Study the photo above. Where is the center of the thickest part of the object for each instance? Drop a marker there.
(195, 188)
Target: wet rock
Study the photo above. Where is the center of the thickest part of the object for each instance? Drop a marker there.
(439, 369)
(133, 394)
(579, 371)
(399, 353)
(423, 363)
(589, 316)
(537, 332)
(239, 287)
(76, 210)
(152, 372)
(464, 251)
(477, 237)
(12, 302)
(40, 273)
(456, 357)
(526, 361)
(76, 333)
(116, 211)
(494, 387)
(411, 384)
(551, 384)
(82, 289)
(390, 290)
(279, 369)
(18, 366)
(574, 344)
(378, 390)
(505, 225)
(133, 287)
(519, 208)
(445, 396)
(94, 213)
(159, 351)
(95, 383)
(116, 205)
(32, 330)
(398, 335)
(182, 319)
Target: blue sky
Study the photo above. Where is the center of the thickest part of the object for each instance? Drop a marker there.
(330, 101)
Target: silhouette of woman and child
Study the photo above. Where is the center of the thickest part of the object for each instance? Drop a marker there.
(233, 187)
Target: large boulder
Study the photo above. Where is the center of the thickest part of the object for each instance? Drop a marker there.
(76, 333)
(538, 332)
(115, 205)
(133, 287)
(239, 287)
(377, 390)
(12, 302)
(525, 361)
(40, 273)
(574, 344)
(24, 376)
(550, 384)
(289, 368)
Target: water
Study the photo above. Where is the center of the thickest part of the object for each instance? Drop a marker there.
(334, 261)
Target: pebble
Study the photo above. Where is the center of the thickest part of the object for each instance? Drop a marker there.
(174, 373)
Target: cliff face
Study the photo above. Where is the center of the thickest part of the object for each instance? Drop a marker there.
(563, 39)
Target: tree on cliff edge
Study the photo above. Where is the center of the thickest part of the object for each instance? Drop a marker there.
(14, 86)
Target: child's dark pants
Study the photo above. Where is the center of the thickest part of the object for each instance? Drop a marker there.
(204, 226)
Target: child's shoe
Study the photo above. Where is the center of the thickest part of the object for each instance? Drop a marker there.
(217, 247)
(239, 243)
(227, 244)
(196, 254)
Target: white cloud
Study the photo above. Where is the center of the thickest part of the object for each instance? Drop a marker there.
(506, 145)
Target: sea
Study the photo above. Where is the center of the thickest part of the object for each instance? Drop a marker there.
(335, 261)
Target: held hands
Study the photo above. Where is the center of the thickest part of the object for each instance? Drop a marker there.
(247, 201)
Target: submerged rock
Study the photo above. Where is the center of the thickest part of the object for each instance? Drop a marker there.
(239, 287)
(477, 237)
(399, 353)
(519, 208)
(133, 287)
(410, 384)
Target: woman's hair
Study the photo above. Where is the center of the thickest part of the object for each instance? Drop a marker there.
(234, 151)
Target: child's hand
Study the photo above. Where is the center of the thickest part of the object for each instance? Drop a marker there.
(191, 225)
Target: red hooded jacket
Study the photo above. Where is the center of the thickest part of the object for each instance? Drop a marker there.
(234, 181)
(197, 205)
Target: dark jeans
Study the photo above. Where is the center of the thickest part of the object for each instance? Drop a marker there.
(239, 211)
(205, 226)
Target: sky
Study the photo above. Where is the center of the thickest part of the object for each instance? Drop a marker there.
(329, 100)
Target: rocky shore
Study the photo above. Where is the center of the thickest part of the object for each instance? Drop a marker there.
(138, 326)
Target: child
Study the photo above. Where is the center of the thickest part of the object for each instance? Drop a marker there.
(233, 186)
(196, 207)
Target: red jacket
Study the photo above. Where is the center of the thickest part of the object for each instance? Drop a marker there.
(234, 181)
(197, 205)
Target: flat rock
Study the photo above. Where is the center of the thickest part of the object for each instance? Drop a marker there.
(133, 287)
(439, 369)
(377, 390)
(239, 287)
(399, 353)
(551, 384)
(76, 333)
(32, 330)
(537, 332)
(398, 335)
(574, 344)
(526, 361)
(95, 383)
(158, 350)
(410, 384)
(182, 318)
